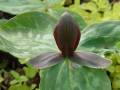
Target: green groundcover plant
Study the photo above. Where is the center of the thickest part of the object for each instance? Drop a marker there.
(30, 36)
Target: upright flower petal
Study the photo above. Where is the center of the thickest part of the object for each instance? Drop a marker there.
(67, 34)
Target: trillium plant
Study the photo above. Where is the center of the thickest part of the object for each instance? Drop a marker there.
(67, 35)
(51, 43)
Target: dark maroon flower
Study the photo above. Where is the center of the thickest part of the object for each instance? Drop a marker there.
(67, 35)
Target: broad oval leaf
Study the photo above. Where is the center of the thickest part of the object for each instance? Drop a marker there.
(22, 6)
(28, 35)
(101, 36)
(70, 76)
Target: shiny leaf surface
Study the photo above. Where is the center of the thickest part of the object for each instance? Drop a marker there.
(101, 36)
(27, 35)
(70, 76)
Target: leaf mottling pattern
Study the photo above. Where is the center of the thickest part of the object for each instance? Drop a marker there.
(64, 76)
(27, 35)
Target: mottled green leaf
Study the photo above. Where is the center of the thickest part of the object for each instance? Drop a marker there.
(27, 35)
(71, 76)
(20, 6)
(101, 36)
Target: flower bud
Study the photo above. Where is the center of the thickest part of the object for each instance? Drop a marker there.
(67, 34)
